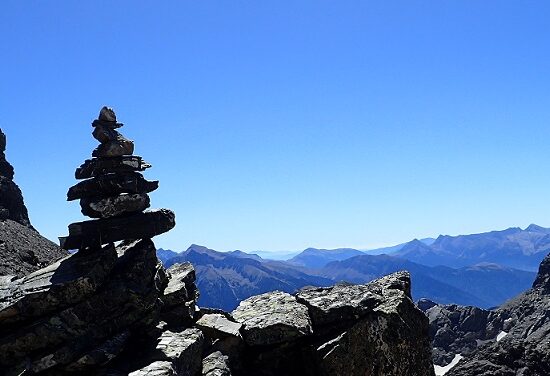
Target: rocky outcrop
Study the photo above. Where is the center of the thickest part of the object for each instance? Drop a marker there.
(11, 200)
(22, 249)
(371, 329)
(524, 348)
(513, 339)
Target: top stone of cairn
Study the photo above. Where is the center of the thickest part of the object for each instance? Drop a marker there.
(107, 117)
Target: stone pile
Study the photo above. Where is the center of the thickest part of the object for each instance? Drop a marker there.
(114, 191)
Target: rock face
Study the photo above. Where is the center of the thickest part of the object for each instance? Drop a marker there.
(11, 200)
(525, 348)
(511, 340)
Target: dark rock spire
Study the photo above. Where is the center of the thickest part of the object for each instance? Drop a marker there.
(11, 199)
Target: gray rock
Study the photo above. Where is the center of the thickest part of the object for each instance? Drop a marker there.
(181, 284)
(57, 286)
(218, 326)
(111, 184)
(338, 304)
(100, 166)
(113, 206)
(215, 364)
(271, 318)
(158, 368)
(525, 349)
(127, 298)
(102, 231)
(116, 148)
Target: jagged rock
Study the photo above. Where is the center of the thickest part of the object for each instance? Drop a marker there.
(525, 348)
(158, 368)
(180, 295)
(458, 329)
(113, 206)
(100, 166)
(102, 354)
(23, 250)
(127, 297)
(216, 325)
(121, 146)
(11, 199)
(271, 318)
(107, 114)
(102, 231)
(215, 364)
(111, 184)
(64, 283)
(542, 281)
(424, 304)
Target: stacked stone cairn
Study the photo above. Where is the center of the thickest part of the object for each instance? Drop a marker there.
(114, 192)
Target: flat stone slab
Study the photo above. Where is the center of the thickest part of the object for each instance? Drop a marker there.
(54, 287)
(332, 305)
(113, 206)
(216, 364)
(271, 318)
(103, 231)
(101, 166)
(216, 325)
(112, 184)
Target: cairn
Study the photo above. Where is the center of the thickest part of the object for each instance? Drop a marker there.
(114, 192)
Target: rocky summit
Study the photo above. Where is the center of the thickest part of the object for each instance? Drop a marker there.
(114, 191)
(111, 308)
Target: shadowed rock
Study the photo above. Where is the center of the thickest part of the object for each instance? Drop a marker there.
(102, 231)
(100, 166)
(113, 206)
(112, 184)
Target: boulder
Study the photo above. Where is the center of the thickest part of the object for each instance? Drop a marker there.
(119, 147)
(110, 185)
(216, 325)
(158, 368)
(126, 299)
(102, 231)
(215, 364)
(55, 287)
(113, 206)
(100, 166)
(272, 318)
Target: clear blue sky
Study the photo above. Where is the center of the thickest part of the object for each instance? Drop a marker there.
(278, 125)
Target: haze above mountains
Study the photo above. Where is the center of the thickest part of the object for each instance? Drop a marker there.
(483, 269)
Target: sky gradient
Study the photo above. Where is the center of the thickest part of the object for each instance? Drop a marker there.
(279, 125)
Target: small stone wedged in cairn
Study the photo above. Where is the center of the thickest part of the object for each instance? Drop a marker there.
(103, 231)
(112, 184)
(113, 144)
(106, 207)
(100, 166)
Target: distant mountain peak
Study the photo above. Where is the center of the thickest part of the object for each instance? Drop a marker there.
(536, 228)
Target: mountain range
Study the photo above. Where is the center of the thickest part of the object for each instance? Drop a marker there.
(483, 269)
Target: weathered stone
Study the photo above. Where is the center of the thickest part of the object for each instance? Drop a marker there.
(330, 306)
(218, 326)
(107, 114)
(215, 364)
(119, 147)
(525, 348)
(271, 318)
(111, 184)
(102, 231)
(102, 354)
(128, 296)
(114, 205)
(6, 169)
(181, 284)
(158, 368)
(54, 287)
(101, 166)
